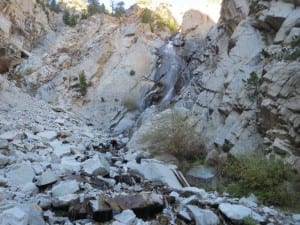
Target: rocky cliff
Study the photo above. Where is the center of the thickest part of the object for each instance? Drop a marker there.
(233, 116)
(73, 112)
(22, 23)
(243, 93)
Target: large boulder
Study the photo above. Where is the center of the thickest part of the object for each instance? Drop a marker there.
(235, 212)
(22, 215)
(20, 174)
(203, 216)
(98, 165)
(155, 171)
(292, 20)
(15, 216)
(195, 24)
(64, 188)
(233, 12)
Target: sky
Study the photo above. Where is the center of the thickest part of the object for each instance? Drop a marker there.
(180, 6)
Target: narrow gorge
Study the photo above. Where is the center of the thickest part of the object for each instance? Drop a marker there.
(123, 116)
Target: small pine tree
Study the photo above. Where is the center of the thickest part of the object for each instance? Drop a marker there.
(95, 7)
(70, 20)
(252, 85)
(73, 21)
(119, 9)
(66, 17)
(102, 8)
(82, 83)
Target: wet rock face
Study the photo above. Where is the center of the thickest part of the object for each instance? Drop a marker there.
(167, 75)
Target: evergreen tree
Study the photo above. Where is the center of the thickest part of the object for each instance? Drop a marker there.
(70, 20)
(112, 5)
(82, 83)
(119, 9)
(93, 7)
(73, 21)
(66, 17)
(102, 8)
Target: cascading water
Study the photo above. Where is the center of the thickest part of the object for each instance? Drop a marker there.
(167, 75)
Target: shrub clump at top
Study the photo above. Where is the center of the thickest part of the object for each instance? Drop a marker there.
(172, 133)
(159, 19)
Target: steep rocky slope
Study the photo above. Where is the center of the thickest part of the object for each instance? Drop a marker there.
(240, 99)
(108, 51)
(233, 118)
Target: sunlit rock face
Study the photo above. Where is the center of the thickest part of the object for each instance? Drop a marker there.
(178, 8)
(116, 57)
(73, 157)
(22, 23)
(196, 24)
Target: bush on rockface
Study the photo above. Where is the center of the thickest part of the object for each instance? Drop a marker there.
(132, 72)
(269, 179)
(249, 221)
(95, 7)
(252, 85)
(290, 52)
(70, 20)
(82, 83)
(147, 16)
(172, 134)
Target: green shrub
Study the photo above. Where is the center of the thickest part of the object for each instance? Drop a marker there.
(171, 133)
(95, 7)
(269, 179)
(70, 20)
(252, 85)
(82, 83)
(265, 54)
(292, 55)
(295, 43)
(249, 221)
(147, 16)
(132, 73)
(66, 17)
(290, 52)
(118, 10)
(84, 16)
(159, 19)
